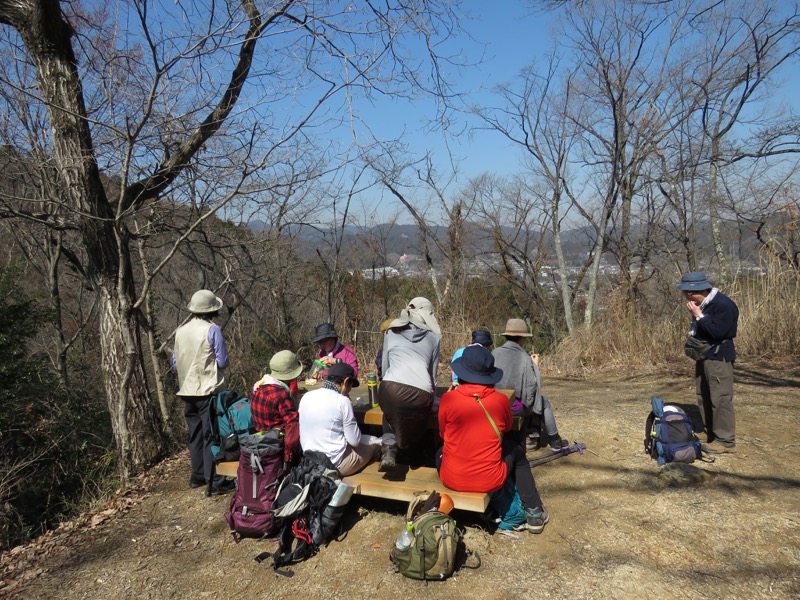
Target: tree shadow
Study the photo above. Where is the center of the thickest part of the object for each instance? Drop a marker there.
(760, 378)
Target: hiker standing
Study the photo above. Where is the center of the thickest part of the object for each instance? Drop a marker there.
(521, 373)
(410, 367)
(200, 358)
(715, 319)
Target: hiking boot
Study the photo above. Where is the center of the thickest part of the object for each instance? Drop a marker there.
(195, 482)
(532, 443)
(557, 443)
(718, 447)
(388, 458)
(226, 487)
(536, 519)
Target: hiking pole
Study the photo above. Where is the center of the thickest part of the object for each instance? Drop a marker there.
(560, 453)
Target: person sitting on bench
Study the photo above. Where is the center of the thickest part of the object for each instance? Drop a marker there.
(328, 425)
(272, 401)
(472, 420)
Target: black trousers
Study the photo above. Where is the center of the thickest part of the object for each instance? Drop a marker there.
(198, 423)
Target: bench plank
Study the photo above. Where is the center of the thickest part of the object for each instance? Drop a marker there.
(401, 484)
(228, 469)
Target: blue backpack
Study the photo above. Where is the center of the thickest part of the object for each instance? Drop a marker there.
(669, 435)
(230, 421)
(509, 507)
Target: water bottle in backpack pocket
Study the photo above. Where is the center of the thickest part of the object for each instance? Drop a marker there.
(431, 554)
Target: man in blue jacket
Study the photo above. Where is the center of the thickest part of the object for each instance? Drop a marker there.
(714, 320)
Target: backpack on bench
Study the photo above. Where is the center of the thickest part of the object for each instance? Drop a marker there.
(231, 420)
(669, 435)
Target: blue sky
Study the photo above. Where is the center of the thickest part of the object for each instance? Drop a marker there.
(509, 36)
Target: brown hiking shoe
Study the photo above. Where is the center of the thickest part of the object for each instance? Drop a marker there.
(717, 447)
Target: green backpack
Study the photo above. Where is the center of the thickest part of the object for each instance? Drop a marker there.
(435, 538)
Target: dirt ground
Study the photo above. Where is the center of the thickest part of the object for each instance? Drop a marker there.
(621, 527)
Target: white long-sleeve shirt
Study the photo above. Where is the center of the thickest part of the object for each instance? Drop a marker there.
(327, 424)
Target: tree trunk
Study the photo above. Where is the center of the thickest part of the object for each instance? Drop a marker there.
(136, 432)
(47, 37)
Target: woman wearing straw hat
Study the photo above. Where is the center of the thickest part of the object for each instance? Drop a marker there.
(200, 358)
(521, 373)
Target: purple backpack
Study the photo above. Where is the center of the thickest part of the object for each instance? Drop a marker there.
(261, 469)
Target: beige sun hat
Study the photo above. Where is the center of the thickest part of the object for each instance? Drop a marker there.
(203, 302)
(285, 366)
(517, 328)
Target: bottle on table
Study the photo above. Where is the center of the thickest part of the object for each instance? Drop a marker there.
(372, 389)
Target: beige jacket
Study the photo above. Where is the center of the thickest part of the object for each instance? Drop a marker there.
(198, 374)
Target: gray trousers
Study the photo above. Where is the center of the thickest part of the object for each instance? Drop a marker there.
(198, 424)
(714, 385)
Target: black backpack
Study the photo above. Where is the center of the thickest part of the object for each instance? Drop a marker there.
(311, 502)
(669, 435)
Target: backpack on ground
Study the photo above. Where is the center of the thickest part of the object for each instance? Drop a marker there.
(507, 503)
(230, 418)
(669, 435)
(435, 539)
(311, 501)
(260, 471)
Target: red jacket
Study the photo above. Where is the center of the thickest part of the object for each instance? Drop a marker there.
(472, 456)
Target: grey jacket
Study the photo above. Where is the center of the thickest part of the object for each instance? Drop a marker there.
(411, 357)
(521, 374)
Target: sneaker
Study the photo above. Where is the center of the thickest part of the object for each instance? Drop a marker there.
(196, 483)
(224, 488)
(531, 444)
(536, 519)
(557, 443)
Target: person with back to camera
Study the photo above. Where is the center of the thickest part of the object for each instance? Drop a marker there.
(521, 373)
(272, 402)
(410, 368)
(715, 319)
(330, 349)
(328, 425)
(473, 417)
(480, 337)
(200, 358)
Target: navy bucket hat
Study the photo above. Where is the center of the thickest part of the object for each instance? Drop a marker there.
(325, 331)
(476, 365)
(482, 337)
(695, 281)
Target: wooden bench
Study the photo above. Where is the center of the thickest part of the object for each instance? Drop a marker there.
(401, 483)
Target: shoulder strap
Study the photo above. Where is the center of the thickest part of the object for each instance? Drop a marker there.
(488, 416)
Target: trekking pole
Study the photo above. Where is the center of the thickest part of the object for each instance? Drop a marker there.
(560, 453)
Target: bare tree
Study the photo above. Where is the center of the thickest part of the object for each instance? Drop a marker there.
(174, 103)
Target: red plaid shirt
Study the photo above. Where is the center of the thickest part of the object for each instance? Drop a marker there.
(273, 406)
